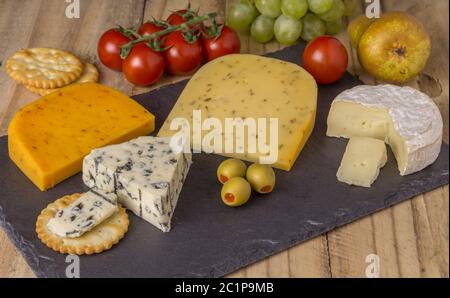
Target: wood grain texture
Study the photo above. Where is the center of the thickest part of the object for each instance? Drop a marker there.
(411, 239)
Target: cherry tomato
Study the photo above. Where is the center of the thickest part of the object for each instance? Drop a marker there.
(227, 43)
(149, 28)
(182, 58)
(176, 18)
(326, 59)
(143, 66)
(109, 48)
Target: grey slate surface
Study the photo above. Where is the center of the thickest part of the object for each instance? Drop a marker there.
(209, 239)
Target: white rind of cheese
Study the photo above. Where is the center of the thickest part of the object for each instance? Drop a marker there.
(82, 215)
(362, 161)
(145, 173)
(405, 118)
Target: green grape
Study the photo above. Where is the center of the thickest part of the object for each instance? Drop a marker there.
(335, 13)
(287, 30)
(241, 15)
(333, 27)
(262, 29)
(350, 7)
(320, 6)
(294, 8)
(269, 8)
(312, 27)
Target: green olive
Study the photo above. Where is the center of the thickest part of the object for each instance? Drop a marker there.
(231, 168)
(236, 192)
(261, 178)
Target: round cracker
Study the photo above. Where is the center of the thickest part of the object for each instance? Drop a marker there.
(99, 239)
(89, 75)
(44, 67)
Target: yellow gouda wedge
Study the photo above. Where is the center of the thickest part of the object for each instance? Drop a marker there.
(49, 138)
(248, 86)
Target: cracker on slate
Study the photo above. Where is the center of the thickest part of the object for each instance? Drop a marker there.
(100, 238)
(44, 67)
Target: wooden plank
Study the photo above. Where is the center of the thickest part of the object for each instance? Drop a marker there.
(437, 209)
(403, 224)
(13, 38)
(349, 246)
(257, 270)
(12, 264)
(425, 244)
(310, 259)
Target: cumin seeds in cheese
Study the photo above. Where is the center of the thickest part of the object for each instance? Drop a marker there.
(243, 86)
(49, 138)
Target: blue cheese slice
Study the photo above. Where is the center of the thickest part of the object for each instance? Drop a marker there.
(81, 216)
(145, 173)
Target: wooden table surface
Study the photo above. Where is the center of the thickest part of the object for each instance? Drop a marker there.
(411, 239)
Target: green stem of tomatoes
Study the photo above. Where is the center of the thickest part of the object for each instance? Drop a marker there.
(126, 48)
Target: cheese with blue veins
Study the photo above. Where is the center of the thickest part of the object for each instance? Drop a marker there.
(81, 216)
(145, 174)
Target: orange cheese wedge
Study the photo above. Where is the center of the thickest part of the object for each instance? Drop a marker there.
(49, 138)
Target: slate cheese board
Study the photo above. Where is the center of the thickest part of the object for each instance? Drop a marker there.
(209, 239)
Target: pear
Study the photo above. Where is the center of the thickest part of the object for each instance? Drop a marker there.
(357, 27)
(395, 48)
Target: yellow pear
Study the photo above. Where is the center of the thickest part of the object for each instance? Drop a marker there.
(394, 48)
(357, 27)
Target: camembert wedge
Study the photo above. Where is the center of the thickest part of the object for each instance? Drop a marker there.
(406, 119)
(362, 161)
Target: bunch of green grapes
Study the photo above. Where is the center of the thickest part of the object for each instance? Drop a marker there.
(289, 20)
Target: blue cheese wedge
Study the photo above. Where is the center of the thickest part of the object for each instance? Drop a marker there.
(145, 173)
(81, 216)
